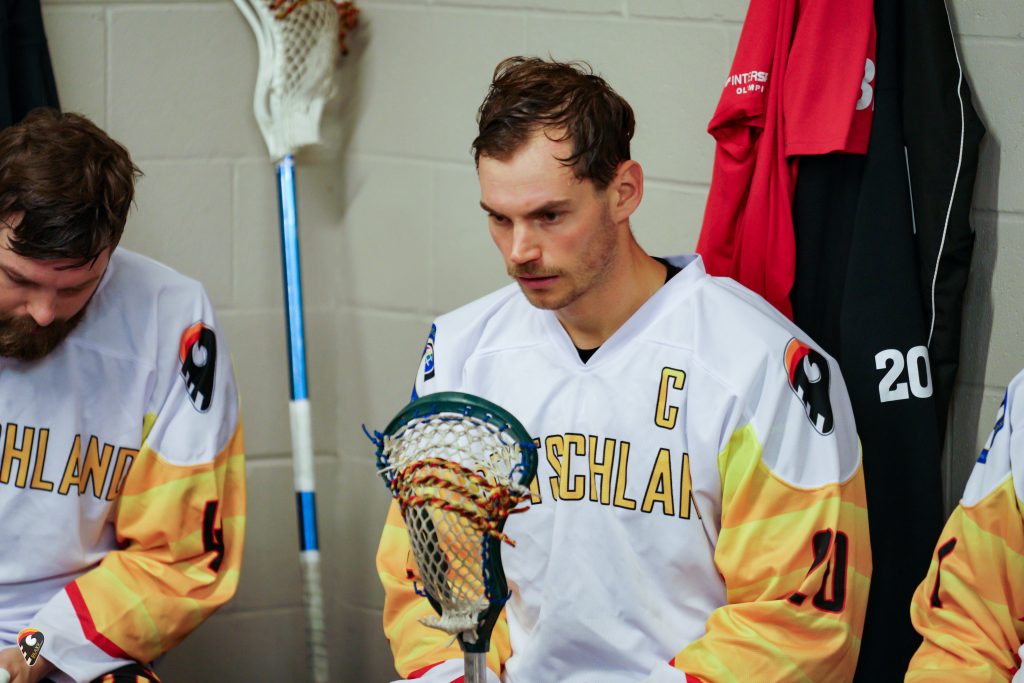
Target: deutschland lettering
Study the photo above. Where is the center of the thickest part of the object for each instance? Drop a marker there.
(599, 469)
(91, 467)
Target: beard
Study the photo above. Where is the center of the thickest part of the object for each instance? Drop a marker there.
(23, 339)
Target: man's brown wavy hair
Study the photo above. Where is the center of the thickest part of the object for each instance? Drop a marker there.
(567, 101)
(73, 183)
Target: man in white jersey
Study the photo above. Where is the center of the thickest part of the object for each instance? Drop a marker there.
(968, 608)
(121, 471)
(699, 512)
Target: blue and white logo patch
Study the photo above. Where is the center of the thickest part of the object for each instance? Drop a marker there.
(1000, 421)
(428, 355)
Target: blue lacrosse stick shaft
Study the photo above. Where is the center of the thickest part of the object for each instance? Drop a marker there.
(292, 276)
(301, 423)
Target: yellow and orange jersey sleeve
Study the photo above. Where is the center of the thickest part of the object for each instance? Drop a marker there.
(177, 515)
(970, 606)
(793, 547)
(181, 528)
(796, 564)
(415, 647)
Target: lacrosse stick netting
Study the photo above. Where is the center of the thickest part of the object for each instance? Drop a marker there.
(298, 51)
(458, 466)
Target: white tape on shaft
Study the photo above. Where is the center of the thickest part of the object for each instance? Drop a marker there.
(4, 676)
(302, 444)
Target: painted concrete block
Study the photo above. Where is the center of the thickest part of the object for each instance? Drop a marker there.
(182, 80)
(379, 352)
(615, 7)
(993, 322)
(272, 642)
(705, 10)
(258, 351)
(385, 258)
(669, 218)
(996, 18)
(257, 234)
(670, 73)
(993, 70)
(424, 74)
(183, 219)
(77, 39)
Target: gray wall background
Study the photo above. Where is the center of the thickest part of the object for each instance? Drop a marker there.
(392, 235)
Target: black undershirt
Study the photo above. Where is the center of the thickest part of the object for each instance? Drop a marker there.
(670, 272)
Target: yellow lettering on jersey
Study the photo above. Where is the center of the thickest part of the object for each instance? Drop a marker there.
(659, 487)
(125, 458)
(575, 445)
(535, 491)
(12, 452)
(534, 483)
(95, 466)
(554, 446)
(665, 415)
(71, 477)
(685, 488)
(38, 483)
(601, 469)
(621, 501)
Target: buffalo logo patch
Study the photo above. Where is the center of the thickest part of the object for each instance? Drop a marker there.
(198, 355)
(809, 379)
(30, 642)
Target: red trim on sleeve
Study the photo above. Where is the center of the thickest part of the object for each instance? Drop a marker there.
(689, 678)
(88, 627)
(419, 672)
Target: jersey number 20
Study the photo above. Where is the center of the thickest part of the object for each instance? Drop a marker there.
(831, 596)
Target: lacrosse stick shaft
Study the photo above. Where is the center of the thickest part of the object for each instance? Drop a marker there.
(301, 424)
(475, 667)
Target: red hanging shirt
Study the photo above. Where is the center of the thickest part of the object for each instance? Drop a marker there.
(801, 83)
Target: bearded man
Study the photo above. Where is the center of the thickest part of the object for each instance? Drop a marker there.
(122, 487)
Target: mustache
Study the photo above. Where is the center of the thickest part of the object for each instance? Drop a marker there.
(531, 270)
(23, 339)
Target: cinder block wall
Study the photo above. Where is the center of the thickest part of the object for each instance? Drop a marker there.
(392, 235)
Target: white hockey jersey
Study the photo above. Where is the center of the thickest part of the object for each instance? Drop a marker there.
(970, 606)
(699, 505)
(122, 476)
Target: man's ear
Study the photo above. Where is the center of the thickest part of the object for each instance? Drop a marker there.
(626, 190)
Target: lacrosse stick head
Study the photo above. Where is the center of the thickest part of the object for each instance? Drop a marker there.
(298, 49)
(458, 465)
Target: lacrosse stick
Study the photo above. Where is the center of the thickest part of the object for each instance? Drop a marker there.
(299, 42)
(458, 465)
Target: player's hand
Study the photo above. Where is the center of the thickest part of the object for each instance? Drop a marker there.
(12, 661)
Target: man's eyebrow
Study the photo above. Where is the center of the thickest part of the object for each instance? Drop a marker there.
(547, 207)
(15, 275)
(24, 279)
(553, 206)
